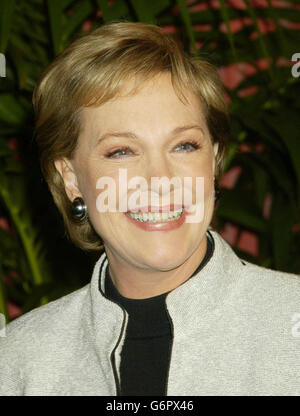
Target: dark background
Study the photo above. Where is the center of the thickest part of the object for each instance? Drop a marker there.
(251, 42)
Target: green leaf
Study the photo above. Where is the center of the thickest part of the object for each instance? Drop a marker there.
(20, 65)
(238, 207)
(281, 230)
(65, 4)
(7, 8)
(277, 172)
(80, 12)
(8, 249)
(261, 40)
(258, 127)
(287, 126)
(11, 112)
(188, 23)
(279, 30)
(3, 298)
(14, 194)
(22, 45)
(116, 11)
(229, 34)
(55, 20)
(33, 12)
(4, 149)
(147, 11)
(260, 177)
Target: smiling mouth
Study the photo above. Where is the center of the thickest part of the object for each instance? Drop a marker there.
(156, 216)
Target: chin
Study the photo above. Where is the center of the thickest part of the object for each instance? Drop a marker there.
(165, 258)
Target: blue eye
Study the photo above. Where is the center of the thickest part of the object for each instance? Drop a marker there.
(122, 152)
(190, 146)
(186, 147)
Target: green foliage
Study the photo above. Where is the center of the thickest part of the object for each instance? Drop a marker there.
(37, 262)
(7, 8)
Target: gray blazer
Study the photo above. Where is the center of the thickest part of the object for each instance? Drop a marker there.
(236, 332)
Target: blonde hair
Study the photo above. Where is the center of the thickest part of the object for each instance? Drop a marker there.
(93, 70)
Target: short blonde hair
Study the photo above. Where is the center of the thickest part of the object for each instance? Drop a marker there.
(93, 70)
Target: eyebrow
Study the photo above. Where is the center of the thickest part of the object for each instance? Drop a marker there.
(131, 135)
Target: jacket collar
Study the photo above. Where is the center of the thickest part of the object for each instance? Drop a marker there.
(207, 290)
(106, 322)
(208, 287)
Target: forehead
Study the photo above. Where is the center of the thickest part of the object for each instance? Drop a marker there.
(154, 106)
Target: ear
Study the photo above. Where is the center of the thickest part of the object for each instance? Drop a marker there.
(216, 148)
(67, 172)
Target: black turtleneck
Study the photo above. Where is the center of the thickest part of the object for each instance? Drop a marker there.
(146, 351)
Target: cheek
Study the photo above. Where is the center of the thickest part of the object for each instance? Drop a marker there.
(87, 184)
(204, 186)
(204, 169)
(103, 198)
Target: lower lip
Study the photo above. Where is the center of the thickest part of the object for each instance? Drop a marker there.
(159, 226)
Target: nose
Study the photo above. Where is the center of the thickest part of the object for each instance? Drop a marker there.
(158, 166)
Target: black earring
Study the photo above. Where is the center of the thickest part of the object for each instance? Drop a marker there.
(217, 191)
(79, 210)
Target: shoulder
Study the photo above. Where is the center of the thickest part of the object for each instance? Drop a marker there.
(266, 276)
(54, 315)
(255, 278)
(38, 333)
(277, 290)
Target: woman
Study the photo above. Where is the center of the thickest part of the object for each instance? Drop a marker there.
(170, 309)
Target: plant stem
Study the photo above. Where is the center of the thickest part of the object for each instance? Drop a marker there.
(26, 241)
(188, 24)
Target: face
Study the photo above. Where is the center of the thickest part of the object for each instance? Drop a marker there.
(154, 135)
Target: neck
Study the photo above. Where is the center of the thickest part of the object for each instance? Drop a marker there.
(138, 283)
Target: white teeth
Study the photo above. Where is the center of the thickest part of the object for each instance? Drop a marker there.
(156, 216)
(164, 216)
